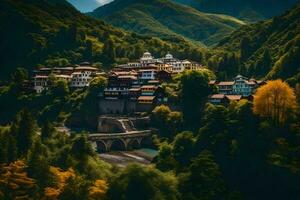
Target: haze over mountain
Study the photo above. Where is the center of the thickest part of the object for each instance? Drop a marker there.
(88, 5)
(250, 10)
(164, 18)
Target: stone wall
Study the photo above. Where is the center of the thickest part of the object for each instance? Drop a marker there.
(121, 106)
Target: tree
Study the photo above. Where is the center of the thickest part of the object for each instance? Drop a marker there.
(47, 130)
(204, 180)
(246, 49)
(38, 166)
(76, 188)
(60, 88)
(15, 183)
(194, 90)
(140, 182)
(263, 66)
(24, 129)
(165, 160)
(166, 121)
(19, 77)
(81, 148)
(60, 181)
(89, 50)
(276, 100)
(183, 149)
(109, 51)
(98, 190)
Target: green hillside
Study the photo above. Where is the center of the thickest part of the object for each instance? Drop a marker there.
(249, 10)
(54, 33)
(269, 48)
(165, 19)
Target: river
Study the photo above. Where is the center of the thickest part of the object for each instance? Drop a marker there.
(124, 158)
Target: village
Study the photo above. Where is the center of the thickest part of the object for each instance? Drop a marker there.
(136, 86)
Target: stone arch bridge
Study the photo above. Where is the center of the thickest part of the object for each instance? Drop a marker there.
(120, 141)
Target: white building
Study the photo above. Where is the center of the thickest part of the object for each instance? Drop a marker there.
(147, 74)
(82, 76)
(41, 83)
(243, 86)
(147, 59)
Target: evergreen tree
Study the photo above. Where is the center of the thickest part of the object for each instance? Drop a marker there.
(24, 129)
(245, 47)
(89, 50)
(204, 180)
(38, 166)
(194, 90)
(183, 149)
(47, 130)
(11, 148)
(109, 51)
(263, 66)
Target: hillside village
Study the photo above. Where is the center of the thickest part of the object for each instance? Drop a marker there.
(137, 86)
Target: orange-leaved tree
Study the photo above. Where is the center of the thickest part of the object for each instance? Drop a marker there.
(14, 182)
(276, 100)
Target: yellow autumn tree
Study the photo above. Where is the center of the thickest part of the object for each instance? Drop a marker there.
(98, 190)
(61, 177)
(275, 100)
(14, 182)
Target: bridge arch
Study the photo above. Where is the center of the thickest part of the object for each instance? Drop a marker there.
(134, 144)
(118, 145)
(101, 146)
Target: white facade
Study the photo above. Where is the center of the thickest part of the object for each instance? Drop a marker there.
(41, 83)
(81, 79)
(242, 86)
(145, 75)
(147, 59)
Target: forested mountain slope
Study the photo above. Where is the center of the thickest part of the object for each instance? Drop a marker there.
(53, 32)
(269, 48)
(249, 10)
(165, 19)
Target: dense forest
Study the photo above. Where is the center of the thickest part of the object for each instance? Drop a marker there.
(54, 33)
(243, 151)
(248, 10)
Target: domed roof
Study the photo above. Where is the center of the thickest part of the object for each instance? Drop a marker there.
(147, 54)
(169, 56)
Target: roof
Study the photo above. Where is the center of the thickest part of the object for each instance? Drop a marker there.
(86, 68)
(62, 76)
(149, 87)
(147, 70)
(74, 73)
(127, 77)
(224, 83)
(146, 98)
(153, 81)
(134, 89)
(63, 68)
(212, 82)
(250, 83)
(44, 69)
(40, 76)
(217, 96)
(234, 97)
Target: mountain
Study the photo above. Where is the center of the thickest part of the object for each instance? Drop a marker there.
(54, 33)
(249, 10)
(270, 48)
(164, 18)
